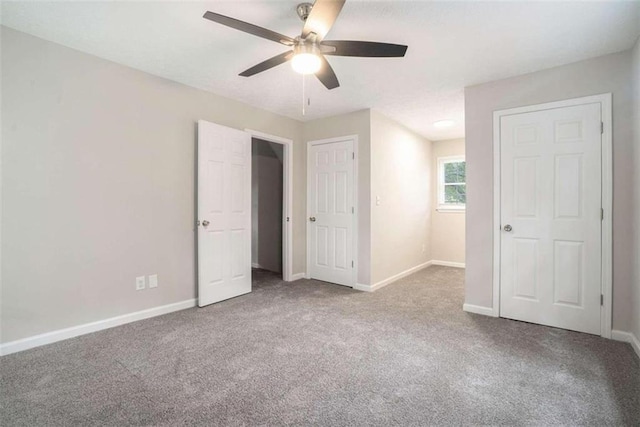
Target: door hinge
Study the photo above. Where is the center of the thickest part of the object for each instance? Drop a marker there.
(601, 299)
(353, 156)
(601, 214)
(351, 264)
(601, 128)
(353, 209)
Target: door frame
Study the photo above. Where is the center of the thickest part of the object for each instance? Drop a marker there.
(607, 199)
(287, 199)
(354, 141)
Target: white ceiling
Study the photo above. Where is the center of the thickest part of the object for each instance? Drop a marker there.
(451, 45)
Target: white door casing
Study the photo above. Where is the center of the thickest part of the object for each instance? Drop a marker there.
(224, 213)
(551, 252)
(331, 211)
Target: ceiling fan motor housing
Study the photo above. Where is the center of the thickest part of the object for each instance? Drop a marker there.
(306, 46)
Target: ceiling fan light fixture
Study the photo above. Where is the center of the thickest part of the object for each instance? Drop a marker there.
(443, 123)
(306, 63)
(306, 59)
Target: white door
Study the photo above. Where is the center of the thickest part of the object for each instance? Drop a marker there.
(224, 213)
(551, 175)
(331, 212)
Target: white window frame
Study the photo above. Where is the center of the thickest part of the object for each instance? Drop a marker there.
(442, 206)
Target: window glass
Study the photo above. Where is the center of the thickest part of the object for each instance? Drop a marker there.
(452, 188)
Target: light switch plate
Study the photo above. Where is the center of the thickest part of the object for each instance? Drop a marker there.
(140, 283)
(153, 281)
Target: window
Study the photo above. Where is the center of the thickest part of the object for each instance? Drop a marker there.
(452, 187)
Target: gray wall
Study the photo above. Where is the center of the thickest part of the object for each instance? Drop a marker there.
(635, 222)
(267, 197)
(98, 185)
(610, 73)
(357, 123)
(401, 178)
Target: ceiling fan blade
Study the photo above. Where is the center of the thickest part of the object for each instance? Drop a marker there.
(269, 63)
(326, 75)
(249, 28)
(365, 49)
(322, 16)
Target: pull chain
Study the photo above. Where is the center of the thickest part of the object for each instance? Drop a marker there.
(304, 111)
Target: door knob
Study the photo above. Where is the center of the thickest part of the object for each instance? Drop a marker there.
(508, 228)
(312, 219)
(205, 222)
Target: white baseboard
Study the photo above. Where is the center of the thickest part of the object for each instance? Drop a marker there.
(255, 265)
(87, 328)
(297, 276)
(627, 337)
(478, 309)
(385, 282)
(448, 263)
(361, 287)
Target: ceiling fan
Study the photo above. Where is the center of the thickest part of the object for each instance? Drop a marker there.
(308, 50)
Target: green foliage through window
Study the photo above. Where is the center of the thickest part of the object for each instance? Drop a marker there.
(455, 194)
(454, 172)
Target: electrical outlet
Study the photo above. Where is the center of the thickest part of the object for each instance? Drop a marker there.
(153, 281)
(140, 283)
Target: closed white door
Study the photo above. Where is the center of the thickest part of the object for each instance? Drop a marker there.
(331, 212)
(551, 178)
(224, 213)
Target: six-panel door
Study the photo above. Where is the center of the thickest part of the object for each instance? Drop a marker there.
(224, 213)
(551, 217)
(331, 210)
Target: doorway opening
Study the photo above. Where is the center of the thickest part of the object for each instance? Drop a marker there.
(267, 208)
(224, 211)
(272, 199)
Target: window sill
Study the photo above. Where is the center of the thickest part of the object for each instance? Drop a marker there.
(450, 209)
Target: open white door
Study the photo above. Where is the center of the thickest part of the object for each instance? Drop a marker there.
(224, 213)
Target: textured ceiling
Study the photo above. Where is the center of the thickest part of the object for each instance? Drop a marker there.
(451, 45)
